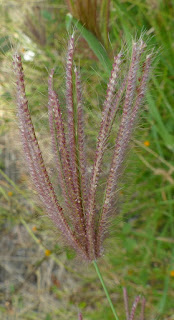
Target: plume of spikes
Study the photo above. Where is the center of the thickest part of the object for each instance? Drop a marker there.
(80, 316)
(130, 314)
(77, 219)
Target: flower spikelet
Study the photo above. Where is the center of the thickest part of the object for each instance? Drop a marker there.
(83, 227)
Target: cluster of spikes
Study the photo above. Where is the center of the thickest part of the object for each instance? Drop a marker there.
(130, 312)
(83, 227)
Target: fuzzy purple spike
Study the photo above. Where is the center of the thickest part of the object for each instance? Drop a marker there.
(134, 307)
(126, 304)
(80, 316)
(54, 140)
(81, 143)
(143, 304)
(70, 112)
(72, 131)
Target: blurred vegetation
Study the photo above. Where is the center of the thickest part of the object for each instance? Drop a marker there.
(38, 278)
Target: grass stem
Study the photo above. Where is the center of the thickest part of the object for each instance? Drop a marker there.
(105, 290)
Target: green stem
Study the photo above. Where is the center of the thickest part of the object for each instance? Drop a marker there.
(105, 290)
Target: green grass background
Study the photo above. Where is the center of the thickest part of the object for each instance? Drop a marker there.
(140, 254)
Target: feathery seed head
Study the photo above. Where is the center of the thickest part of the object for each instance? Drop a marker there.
(130, 314)
(79, 221)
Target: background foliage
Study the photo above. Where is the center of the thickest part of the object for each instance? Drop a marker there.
(38, 278)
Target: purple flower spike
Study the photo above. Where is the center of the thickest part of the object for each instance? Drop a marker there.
(80, 224)
(80, 316)
(131, 315)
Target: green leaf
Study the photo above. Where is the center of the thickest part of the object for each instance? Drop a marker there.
(130, 244)
(47, 15)
(48, 317)
(4, 44)
(92, 41)
(158, 123)
(68, 22)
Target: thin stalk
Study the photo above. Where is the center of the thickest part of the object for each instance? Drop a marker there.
(105, 289)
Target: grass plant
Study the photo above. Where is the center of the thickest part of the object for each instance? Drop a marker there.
(78, 219)
(140, 253)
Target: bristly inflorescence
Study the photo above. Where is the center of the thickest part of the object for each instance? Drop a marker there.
(130, 314)
(83, 227)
